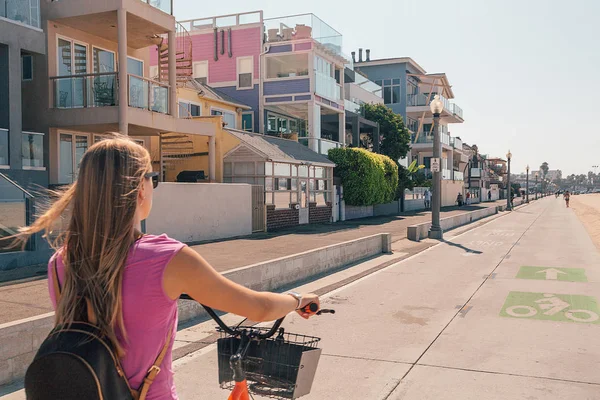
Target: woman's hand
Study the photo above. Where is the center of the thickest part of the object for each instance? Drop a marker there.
(306, 300)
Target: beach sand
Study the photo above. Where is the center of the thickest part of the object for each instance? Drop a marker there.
(587, 208)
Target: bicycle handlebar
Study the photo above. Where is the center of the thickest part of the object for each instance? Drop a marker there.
(311, 308)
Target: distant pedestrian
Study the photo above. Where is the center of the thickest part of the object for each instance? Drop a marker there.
(459, 199)
(468, 198)
(427, 197)
(567, 198)
(489, 195)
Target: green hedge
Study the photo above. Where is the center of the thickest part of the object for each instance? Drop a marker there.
(368, 178)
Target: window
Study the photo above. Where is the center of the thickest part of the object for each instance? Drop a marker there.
(282, 124)
(188, 110)
(3, 147)
(27, 67)
(391, 90)
(287, 66)
(72, 60)
(103, 60)
(228, 117)
(32, 150)
(201, 72)
(248, 121)
(135, 67)
(245, 66)
(72, 147)
(154, 72)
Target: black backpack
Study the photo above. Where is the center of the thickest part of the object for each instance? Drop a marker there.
(77, 362)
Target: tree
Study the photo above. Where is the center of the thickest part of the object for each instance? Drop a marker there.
(395, 139)
(544, 168)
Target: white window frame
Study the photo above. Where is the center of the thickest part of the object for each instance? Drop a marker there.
(73, 150)
(223, 111)
(205, 62)
(108, 51)
(73, 43)
(237, 75)
(143, 65)
(251, 113)
(286, 78)
(23, 69)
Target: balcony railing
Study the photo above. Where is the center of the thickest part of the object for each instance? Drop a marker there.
(102, 90)
(163, 5)
(428, 139)
(321, 146)
(305, 26)
(327, 86)
(32, 150)
(16, 211)
(446, 174)
(3, 147)
(456, 143)
(459, 176)
(148, 94)
(221, 21)
(24, 11)
(456, 110)
(421, 100)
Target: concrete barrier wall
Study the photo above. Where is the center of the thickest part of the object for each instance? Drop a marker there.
(356, 212)
(392, 208)
(450, 190)
(421, 231)
(20, 340)
(194, 212)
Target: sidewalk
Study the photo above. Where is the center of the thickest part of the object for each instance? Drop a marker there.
(505, 311)
(31, 298)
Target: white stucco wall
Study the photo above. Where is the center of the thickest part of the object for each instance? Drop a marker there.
(192, 212)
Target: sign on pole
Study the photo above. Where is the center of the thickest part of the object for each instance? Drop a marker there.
(435, 165)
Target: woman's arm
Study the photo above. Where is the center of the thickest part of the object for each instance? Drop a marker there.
(189, 273)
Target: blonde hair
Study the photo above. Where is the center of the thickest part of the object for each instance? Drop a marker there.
(102, 205)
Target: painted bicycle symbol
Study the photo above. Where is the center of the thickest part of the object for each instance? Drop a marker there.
(551, 305)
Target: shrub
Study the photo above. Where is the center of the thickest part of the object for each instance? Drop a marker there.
(368, 178)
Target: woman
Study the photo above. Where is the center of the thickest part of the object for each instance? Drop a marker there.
(133, 280)
(567, 198)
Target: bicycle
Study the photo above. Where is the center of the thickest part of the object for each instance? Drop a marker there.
(251, 361)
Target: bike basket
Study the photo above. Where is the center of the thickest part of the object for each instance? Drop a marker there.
(282, 367)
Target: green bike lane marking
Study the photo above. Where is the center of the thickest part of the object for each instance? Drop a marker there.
(551, 307)
(552, 273)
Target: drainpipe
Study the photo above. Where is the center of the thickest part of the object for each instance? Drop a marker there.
(122, 74)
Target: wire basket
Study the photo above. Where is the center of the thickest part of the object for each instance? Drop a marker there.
(282, 367)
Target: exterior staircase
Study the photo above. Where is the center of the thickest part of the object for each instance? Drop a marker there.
(183, 57)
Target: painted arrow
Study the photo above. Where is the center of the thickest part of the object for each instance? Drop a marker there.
(551, 273)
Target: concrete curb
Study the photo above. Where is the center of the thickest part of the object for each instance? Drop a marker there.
(20, 340)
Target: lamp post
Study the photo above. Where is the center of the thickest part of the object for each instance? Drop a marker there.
(509, 196)
(536, 188)
(527, 186)
(435, 232)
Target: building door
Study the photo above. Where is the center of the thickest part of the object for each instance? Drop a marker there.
(258, 208)
(303, 197)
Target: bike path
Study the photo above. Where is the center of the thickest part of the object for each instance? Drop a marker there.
(436, 326)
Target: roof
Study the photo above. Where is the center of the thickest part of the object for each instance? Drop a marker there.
(280, 150)
(214, 94)
(387, 61)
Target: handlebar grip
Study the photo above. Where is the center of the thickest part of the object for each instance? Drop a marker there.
(313, 308)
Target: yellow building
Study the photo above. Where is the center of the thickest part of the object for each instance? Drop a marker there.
(182, 152)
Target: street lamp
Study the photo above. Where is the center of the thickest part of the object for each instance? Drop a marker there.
(527, 186)
(509, 197)
(435, 232)
(536, 188)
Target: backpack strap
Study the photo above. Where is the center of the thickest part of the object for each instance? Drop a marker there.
(142, 392)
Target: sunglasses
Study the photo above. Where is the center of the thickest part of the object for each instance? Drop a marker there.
(154, 177)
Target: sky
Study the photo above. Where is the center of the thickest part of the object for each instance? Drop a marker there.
(525, 72)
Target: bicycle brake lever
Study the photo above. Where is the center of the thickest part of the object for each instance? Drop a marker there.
(325, 311)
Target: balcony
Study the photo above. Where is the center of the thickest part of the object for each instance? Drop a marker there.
(26, 12)
(456, 143)
(302, 27)
(102, 90)
(321, 146)
(446, 174)
(326, 86)
(165, 6)
(459, 176)
(428, 139)
(420, 103)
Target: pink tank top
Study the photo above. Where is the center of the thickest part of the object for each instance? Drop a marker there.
(147, 311)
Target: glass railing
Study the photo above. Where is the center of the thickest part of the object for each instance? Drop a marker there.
(327, 86)
(83, 91)
(16, 211)
(456, 143)
(446, 174)
(321, 146)
(459, 176)
(351, 106)
(24, 11)
(456, 110)
(148, 94)
(424, 138)
(305, 26)
(3, 147)
(420, 100)
(163, 5)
